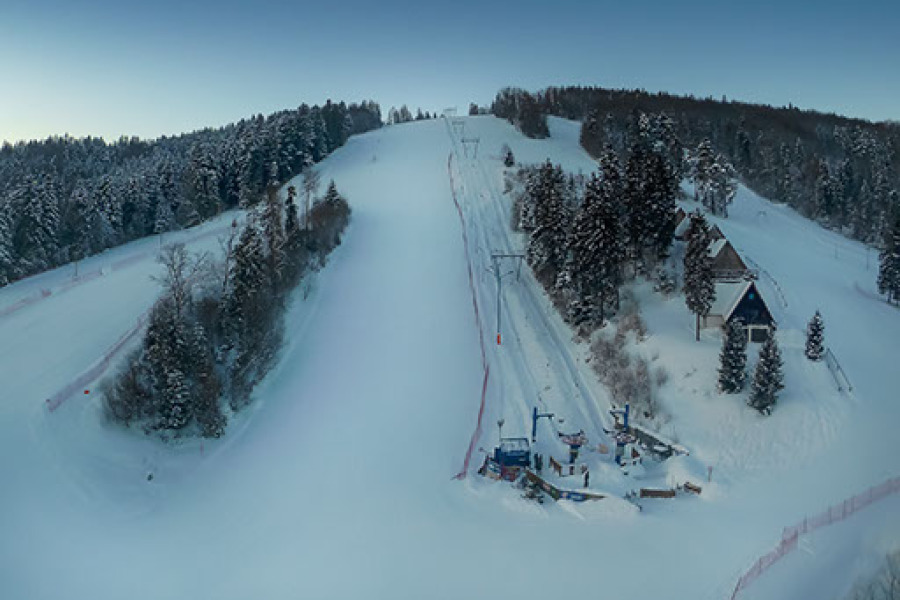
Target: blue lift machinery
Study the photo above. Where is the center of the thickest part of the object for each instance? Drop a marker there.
(535, 415)
(510, 458)
(624, 438)
(574, 441)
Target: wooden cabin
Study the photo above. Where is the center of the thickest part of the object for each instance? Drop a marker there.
(683, 221)
(727, 264)
(741, 300)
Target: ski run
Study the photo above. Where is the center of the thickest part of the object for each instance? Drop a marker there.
(338, 481)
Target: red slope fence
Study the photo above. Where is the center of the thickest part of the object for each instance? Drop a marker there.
(484, 363)
(834, 514)
(98, 368)
(85, 277)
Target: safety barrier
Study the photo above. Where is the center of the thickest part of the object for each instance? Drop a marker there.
(85, 277)
(833, 514)
(840, 377)
(98, 368)
(484, 363)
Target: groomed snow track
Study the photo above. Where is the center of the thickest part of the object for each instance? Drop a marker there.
(535, 366)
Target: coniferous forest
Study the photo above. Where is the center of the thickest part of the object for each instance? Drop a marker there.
(842, 172)
(63, 199)
(217, 329)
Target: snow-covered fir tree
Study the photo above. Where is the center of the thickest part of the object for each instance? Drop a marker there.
(7, 265)
(889, 263)
(203, 181)
(595, 246)
(721, 188)
(636, 202)
(546, 252)
(768, 378)
(661, 188)
(733, 358)
(815, 338)
(273, 233)
(701, 170)
(291, 215)
(699, 287)
(610, 236)
(174, 409)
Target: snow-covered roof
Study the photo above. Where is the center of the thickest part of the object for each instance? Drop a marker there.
(716, 246)
(727, 297)
(682, 226)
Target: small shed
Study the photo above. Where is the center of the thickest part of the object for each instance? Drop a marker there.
(513, 452)
(741, 300)
(727, 264)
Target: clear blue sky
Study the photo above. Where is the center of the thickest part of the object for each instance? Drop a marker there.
(161, 67)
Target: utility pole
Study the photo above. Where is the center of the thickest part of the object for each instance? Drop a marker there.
(496, 259)
(470, 141)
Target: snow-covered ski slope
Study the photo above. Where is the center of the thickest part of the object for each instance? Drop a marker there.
(337, 483)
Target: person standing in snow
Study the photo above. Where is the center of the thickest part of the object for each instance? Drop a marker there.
(587, 478)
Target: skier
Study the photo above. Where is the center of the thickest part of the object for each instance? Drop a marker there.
(587, 478)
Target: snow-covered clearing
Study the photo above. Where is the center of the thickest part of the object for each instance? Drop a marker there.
(337, 482)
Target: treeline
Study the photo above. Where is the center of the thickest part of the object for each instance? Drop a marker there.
(63, 199)
(842, 172)
(586, 237)
(404, 115)
(216, 330)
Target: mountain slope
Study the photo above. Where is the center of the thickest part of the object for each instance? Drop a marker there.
(337, 482)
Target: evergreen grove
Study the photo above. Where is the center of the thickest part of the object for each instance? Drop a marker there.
(842, 172)
(217, 329)
(63, 199)
(586, 236)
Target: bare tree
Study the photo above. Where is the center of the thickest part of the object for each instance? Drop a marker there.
(181, 268)
(311, 180)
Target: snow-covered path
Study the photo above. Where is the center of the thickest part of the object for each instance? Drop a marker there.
(337, 482)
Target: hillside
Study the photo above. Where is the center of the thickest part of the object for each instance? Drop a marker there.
(338, 483)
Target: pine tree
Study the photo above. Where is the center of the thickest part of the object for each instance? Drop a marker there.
(768, 379)
(165, 218)
(273, 232)
(174, 411)
(889, 264)
(609, 240)
(35, 237)
(699, 287)
(292, 217)
(7, 265)
(248, 311)
(733, 358)
(721, 187)
(637, 202)
(207, 387)
(701, 171)
(661, 188)
(546, 250)
(815, 342)
(203, 181)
